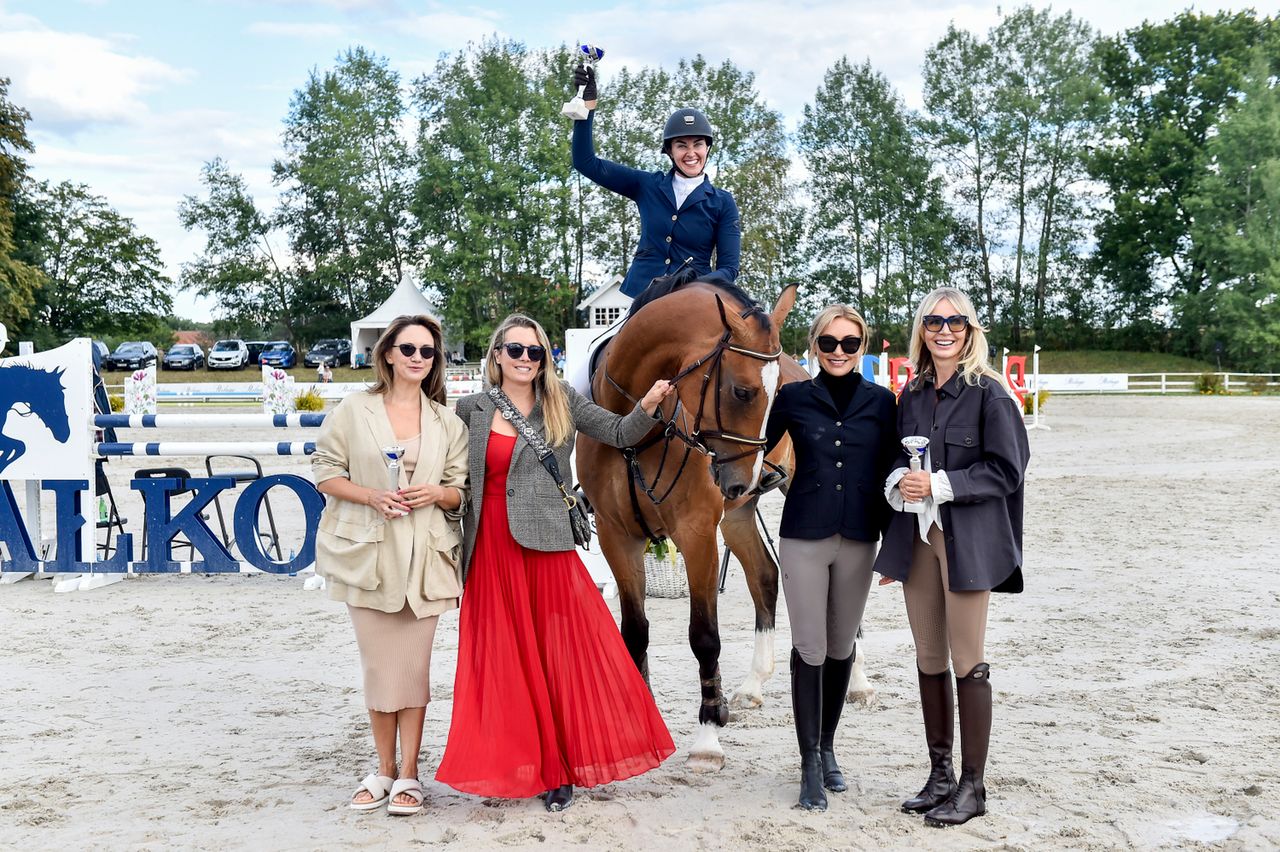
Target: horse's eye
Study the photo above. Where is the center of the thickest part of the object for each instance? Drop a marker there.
(744, 394)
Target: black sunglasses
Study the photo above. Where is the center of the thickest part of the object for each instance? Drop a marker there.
(935, 322)
(407, 349)
(515, 350)
(827, 343)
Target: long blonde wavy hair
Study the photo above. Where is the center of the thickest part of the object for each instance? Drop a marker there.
(973, 363)
(556, 419)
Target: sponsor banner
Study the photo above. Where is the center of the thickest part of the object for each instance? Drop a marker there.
(1084, 382)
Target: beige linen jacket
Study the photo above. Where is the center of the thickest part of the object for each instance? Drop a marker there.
(367, 560)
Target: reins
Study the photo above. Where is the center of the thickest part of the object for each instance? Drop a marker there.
(694, 438)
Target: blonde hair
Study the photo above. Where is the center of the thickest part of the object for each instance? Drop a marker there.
(824, 318)
(972, 364)
(433, 382)
(557, 421)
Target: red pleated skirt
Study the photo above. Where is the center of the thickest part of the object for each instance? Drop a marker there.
(546, 693)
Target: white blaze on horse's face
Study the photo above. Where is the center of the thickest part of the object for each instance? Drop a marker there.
(769, 375)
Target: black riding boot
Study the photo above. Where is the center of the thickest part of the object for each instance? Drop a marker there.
(938, 705)
(559, 798)
(973, 695)
(835, 688)
(806, 704)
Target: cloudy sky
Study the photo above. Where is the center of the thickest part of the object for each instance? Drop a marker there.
(131, 97)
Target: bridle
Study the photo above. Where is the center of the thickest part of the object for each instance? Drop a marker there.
(695, 437)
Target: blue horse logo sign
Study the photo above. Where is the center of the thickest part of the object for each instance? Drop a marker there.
(46, 431)
(45, 411)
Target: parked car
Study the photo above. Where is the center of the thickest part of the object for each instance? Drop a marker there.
(255, 348)
(183, 356)
(279, 353)
(132, 355)
(229, 355)
(334, 352)
(103, 351)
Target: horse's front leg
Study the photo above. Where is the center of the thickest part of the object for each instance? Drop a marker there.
(702, 565)
(743, 538)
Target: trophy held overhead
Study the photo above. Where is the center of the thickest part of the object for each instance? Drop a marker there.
(576, 107)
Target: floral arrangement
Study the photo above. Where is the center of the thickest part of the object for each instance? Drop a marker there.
(140, 392)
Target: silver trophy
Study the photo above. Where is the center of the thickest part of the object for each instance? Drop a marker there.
(393, 454)
(575, 107)
(915, 446)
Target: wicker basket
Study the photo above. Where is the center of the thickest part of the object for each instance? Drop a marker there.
(665, 577)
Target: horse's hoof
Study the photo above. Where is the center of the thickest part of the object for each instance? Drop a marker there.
(705, 761)
(746, 700)
(865, 697)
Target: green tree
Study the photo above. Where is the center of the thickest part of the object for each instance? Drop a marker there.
(103, 276)
(494, 193)
(244, 266)
(960, 93)
(1236, 222)
(346, 175)
(1169, 84)
(20, 279)
(878, 229)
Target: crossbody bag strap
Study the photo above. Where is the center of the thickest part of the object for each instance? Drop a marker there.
(512, 415)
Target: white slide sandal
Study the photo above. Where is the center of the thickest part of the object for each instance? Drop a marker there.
(410, 787)
(377, 786)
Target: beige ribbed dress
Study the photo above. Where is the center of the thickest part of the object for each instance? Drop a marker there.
(395, 648)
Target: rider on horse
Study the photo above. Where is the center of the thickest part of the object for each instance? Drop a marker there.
(684, 219)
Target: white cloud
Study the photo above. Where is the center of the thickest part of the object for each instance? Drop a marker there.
(295, 29)
(447, 30)
(70, 80)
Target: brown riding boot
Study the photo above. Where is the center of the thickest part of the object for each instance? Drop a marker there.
(938, 706)
(973, 695)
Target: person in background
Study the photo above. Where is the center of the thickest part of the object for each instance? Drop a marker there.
(845, 436)
(392, 554)
(965, 543)
(546, 696)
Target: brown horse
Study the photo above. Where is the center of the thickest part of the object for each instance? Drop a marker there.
(697, 471)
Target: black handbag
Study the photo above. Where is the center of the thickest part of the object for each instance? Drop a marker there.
(579, 521)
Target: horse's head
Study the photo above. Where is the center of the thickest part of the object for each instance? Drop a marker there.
(43, 395)
(737, 393)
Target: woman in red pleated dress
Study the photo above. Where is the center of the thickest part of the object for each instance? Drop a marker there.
(546, 695)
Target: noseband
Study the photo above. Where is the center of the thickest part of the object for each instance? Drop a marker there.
(694, 438)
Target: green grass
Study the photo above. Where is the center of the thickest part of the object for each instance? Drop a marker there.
(302, 375)
(1108, 361)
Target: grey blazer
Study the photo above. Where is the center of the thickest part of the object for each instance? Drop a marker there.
(536, 513)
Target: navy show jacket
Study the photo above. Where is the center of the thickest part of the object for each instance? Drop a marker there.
(842, 459)
(977, 435)
(708, 219)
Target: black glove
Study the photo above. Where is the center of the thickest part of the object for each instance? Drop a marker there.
(585, 76)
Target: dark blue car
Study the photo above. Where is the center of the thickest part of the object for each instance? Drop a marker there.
(278, 353)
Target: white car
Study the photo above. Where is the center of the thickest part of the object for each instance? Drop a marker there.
(228, 355)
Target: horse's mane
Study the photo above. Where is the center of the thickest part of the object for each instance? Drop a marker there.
(667, 284)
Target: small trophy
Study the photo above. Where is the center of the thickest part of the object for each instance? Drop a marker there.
(393, 454)
(915, 446)
(575, 107)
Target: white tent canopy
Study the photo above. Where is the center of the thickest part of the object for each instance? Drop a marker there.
(406, 299)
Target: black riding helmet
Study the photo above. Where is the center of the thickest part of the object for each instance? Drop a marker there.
(686, 122)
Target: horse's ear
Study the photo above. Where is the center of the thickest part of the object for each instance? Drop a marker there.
(786, 301)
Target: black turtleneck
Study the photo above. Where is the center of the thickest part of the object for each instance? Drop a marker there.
(841, 388)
